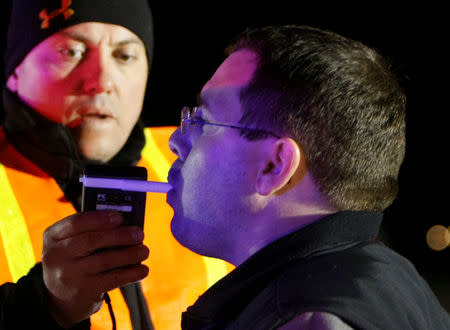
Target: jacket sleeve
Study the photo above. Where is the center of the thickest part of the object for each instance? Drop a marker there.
(23, 305)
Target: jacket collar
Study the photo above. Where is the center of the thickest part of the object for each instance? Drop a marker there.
(226, 299)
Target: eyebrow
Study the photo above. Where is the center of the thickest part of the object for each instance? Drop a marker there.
(85, 39)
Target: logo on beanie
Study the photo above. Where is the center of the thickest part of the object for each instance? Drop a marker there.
(64, 10)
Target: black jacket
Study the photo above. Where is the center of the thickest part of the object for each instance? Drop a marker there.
(334, 265)
(23, 305)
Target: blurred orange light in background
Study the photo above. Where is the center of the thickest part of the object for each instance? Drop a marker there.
(438, 237)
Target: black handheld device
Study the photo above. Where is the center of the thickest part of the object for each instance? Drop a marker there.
(130, 203)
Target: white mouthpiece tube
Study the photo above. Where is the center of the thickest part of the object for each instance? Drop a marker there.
(127, 185)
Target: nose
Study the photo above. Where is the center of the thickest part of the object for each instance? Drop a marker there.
(179, 144)
(98, 76)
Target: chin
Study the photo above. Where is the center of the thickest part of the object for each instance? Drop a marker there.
(193, 236)
(97, 146)
(183, 233)
(102, 151)
(177, 232)
(96, 154)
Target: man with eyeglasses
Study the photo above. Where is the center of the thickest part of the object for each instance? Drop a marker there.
(284, 170)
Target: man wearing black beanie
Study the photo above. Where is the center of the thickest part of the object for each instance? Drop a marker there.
(76, 78)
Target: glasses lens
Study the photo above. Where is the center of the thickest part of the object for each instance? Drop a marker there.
(185, 115)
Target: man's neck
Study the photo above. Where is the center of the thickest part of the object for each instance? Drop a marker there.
(279, 215)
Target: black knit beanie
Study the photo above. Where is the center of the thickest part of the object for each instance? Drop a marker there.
(32, 21)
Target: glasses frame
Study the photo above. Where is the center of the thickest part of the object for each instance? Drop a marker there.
(188, 117)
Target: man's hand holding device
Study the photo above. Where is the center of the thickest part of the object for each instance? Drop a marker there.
(90, 253)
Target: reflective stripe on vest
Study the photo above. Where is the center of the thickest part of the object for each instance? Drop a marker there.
(155, 157)
(215, 268)
(14, 232)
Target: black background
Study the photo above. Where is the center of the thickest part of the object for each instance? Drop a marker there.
(189, 42)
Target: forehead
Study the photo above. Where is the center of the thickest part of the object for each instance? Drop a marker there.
(95, 32)
(221, 92)
(235, 71)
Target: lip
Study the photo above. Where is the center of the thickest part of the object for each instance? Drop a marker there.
(96, 122)
(174, 172)
(92, 116)
(172, 178)
(169, 195)
(94, 112)
(96, 115)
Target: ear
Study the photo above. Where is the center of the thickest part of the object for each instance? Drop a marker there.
(12, 82)
(283, 159)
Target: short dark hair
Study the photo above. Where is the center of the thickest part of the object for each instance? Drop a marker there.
(339, 100)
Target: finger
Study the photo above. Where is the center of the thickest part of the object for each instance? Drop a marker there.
(79, 223)
(114, 258)
(90, 242)
(119, 277)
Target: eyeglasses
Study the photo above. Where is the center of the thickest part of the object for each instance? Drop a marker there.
(189, 117)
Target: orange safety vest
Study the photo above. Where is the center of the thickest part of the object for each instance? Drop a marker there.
(31, 201)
